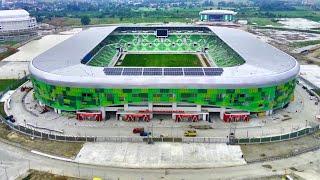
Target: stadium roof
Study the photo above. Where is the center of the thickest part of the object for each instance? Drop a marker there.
(218, 12)
(264, 66)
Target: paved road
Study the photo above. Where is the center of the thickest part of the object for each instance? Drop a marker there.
(17, 161)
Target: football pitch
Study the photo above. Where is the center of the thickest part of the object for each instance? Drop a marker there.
(161, 60)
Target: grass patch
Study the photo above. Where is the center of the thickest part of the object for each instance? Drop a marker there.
(62, 149)
(11, 84)
(161, 60)
(2, 113)
(8, 43)
(304, 43)
(263, 21)
(4, 83)
(7, 53)
(38, 175)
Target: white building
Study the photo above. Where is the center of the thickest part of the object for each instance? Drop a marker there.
(17, 25)
(217, 17)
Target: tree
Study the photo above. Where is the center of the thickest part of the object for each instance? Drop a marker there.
(85, 20)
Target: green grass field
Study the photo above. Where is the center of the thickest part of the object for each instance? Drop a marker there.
(4, 83)
(161, 60)
(304, 43)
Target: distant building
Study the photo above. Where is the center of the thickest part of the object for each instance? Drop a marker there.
(217, 16)
(308, 2)
(17, 25)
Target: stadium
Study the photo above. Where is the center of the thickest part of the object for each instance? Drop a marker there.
(185, 71)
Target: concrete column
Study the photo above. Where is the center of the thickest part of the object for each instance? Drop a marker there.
(59, 111)
(198, 108)
(126, 107)
(222, 111)
(204, 117)
(268, 113)
(174, 106)
(103, 112)
(150, 108)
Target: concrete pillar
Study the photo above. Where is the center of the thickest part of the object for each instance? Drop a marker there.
(126, 107)
(222, 111)
(204, 117)
(173, 116)
(150, 108)
(103, 112)
(174, 106)
(59, 111)
(198, 108)
(268, 113)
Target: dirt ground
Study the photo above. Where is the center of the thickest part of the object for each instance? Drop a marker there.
(39, 175)
(62, 149)
(261, 151)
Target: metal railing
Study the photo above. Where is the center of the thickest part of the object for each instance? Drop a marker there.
(276, 138)
(291, 154)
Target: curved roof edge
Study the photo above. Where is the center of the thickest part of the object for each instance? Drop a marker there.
(265, 65)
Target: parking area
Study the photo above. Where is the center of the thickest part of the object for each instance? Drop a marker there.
(161, 155)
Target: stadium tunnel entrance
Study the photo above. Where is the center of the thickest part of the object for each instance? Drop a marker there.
(171, 111)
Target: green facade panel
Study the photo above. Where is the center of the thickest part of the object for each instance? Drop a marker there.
(247, 99)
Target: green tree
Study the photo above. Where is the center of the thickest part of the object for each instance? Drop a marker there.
(85, 20)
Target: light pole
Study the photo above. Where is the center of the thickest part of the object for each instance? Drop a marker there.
(78, 168)
(306, 123)
(5, 171)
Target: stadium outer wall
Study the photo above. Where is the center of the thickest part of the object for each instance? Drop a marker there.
(259, 99)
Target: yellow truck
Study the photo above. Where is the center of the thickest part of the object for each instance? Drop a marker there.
(190, 133)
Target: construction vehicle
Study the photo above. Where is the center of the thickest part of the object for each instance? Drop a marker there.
(190, 133)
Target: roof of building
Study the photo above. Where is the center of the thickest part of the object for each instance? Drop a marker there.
(218, 12)
(17, 13)
(264, 66)
(311, 74)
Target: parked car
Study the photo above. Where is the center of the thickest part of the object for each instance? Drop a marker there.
(9, 117)
(144, 133)
(12, 120)
(137, 130)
